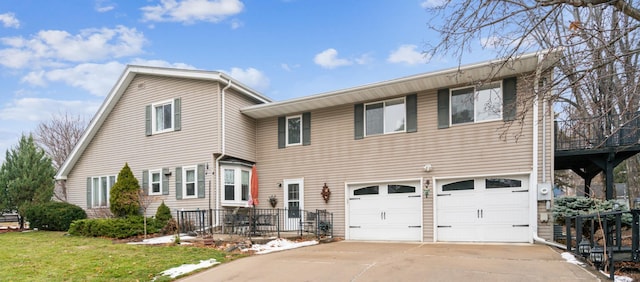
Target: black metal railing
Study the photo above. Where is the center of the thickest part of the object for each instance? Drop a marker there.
(597, 132)
(254, 222)
(613, 246)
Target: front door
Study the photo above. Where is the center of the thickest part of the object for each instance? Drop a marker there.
(293, 201)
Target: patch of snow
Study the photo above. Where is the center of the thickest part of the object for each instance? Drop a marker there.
(186, 268)
(570, 258)
(164, 240)
(279, 245)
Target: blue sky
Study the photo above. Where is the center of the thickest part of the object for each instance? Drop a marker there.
(64, 56)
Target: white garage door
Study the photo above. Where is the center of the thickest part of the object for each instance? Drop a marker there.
(491, 209)
(390, 212)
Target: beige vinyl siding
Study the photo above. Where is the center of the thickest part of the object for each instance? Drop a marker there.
(240, 129)
(122, 138)
(336, 158)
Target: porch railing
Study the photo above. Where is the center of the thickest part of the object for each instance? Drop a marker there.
(613, 246)
(253, 222)
(597, 132)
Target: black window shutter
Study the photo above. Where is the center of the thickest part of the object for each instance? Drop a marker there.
(177, 117)
(443, 108)
(147, 120)
(200, 181)
(282, 127)
(306, 129)
(509, 105)
(165, 181)
(179, 183)
(145, 182)
(411, 104)
(88, 192)
(358, 121)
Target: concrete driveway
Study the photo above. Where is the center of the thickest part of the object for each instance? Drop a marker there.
(370, 261)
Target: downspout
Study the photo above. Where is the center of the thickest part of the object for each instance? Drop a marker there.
(534, 174)
(222, 135)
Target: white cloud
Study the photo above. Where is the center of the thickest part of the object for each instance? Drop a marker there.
(53, 47)
(251, 77)
(161, 63)
(103, 6)
(329, 59)
(190, 11)
(9, 20)
(40, 109)
(407, 54)
(491, 42)
(288, 67)
(235, 24)
(432, 3)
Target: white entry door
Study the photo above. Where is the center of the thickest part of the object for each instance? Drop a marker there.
(387, 211)
(489, 209)
(293, 201)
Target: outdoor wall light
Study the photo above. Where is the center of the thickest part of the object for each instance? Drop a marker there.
(427, 167)
(168, 173)
(584, 247)
(279, 184)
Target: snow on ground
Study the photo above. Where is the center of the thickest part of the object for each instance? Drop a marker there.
(271, 246)
(164, 240)
(279, 245)
(186, 268)
(572, 259)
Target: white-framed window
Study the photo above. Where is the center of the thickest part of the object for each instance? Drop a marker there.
(163, 114)
(100, 188)
(294, 130)
(189, 182)
(385, 117)
(476, 104)
(236, 181)
(155, 182)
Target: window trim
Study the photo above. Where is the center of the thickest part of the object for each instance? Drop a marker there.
(151, 172)
(384, 112)
(154, 121)
(475, 99)
(287, 118)
(108, 188)
(185, 182)
(237, 199)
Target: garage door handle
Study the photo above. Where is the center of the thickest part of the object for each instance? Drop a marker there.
(444, 226)
(414, 196)
(516, 191)
(354, 198)
(444, 194)
(415, 226)
(521, 225)
(351, 226)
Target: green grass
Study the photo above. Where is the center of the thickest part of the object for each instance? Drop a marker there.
(52, 256)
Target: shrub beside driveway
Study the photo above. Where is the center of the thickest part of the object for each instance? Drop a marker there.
(54, 256)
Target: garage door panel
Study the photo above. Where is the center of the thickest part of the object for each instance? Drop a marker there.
(495, 209)
(395, 216)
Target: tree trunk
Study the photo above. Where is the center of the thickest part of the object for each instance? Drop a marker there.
(633, 180)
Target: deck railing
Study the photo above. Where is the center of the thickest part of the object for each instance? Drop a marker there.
(253, 222)
(597, 132)
(613, 246)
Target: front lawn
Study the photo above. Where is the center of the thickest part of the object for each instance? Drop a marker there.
(52, 256)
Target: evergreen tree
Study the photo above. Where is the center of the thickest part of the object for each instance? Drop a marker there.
(26, 178)
(123, 198)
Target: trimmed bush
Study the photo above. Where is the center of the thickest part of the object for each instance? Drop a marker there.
(54, 216)
(163, 214)
(123, 198)
(118, 228)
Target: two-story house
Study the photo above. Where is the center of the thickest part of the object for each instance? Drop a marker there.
(462, 154)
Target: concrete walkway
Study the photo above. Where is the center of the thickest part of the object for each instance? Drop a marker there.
(370, 261)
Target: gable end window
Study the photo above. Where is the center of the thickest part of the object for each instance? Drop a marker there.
(98, 189)
(384, 117)
(164, 116)
(294, 130)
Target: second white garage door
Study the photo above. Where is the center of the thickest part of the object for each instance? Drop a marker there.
(389, 212)
(489, 209)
